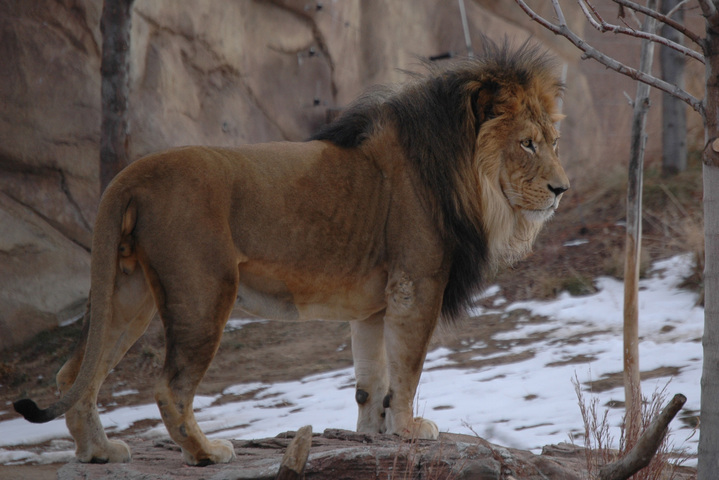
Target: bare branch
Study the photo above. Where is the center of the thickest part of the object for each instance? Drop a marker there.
(559, 12)
(634, 17)
(664, 19)
(709, 10)
(607, 61)
(541, 20)
(676, 8)
(603, 27)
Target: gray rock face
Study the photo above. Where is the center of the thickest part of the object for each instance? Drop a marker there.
(224, 74)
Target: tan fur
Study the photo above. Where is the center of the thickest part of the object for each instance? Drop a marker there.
(315, 230)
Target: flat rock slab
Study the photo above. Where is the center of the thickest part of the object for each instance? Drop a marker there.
(339, 454)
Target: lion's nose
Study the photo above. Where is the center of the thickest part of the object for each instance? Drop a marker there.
(558, 190)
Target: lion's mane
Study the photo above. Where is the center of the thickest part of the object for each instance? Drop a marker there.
(439, 124)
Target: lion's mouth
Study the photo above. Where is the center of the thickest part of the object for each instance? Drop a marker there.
(539, 215)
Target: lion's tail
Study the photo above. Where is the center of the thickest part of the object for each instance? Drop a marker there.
(116, 215)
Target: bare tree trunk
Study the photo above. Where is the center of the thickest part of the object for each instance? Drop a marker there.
(115, 91)
(709, 435)
(674, 116)
(632, 383)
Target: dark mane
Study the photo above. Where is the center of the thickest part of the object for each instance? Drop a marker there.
(438, 118)
(356, 123)
(438, 136)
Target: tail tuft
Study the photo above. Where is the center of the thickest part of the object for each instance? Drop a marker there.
(28, 409)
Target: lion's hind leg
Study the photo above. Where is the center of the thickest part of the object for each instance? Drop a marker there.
(194, 311)
(133, 308)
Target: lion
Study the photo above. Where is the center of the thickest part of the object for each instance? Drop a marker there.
(391, 218)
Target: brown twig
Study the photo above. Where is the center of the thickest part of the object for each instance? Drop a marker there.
(664, 18)
(647, 445)
(591, 52)
(596, 21)
(708, 8)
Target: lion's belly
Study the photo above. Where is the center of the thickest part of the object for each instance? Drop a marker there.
(312, 298)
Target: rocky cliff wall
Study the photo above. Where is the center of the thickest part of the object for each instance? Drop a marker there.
(213, 72)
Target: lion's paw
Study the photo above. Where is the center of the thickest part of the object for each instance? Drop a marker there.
(425, 429)
(114, 451)
(219, 451)
(420, 429)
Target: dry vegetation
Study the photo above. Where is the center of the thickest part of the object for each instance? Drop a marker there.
(666, 464)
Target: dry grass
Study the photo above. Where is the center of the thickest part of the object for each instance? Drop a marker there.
(408, 464)
(598, 440)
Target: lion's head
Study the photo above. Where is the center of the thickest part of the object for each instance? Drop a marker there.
(516, 150)
(481, 135)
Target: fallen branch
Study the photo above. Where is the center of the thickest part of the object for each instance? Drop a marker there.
(295, 457)
(647, 445)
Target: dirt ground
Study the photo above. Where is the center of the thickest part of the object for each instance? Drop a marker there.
(277, 351)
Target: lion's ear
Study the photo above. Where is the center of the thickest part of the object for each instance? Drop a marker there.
(483, 103)
(557, 117)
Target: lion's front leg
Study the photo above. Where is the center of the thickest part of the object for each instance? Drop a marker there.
(412, 314)
(370, 362)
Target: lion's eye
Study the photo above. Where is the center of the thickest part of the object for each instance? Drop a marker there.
(528, 145)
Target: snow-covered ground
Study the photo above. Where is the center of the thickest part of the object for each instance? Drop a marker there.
(526, 404)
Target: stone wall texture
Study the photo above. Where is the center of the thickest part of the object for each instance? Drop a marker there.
(215, 72)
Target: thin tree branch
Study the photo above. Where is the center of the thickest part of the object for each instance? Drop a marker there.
(559, 12)
(623, 13)
(590, 12)
(607, 61)
(663, 18)
(676, 8)
(541, 20)
(708, 8)
(634, 17)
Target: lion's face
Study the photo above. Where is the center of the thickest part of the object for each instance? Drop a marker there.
(531, 177)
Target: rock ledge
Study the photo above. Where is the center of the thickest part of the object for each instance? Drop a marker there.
(339, 454)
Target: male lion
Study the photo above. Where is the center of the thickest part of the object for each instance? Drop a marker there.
(389, 218)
